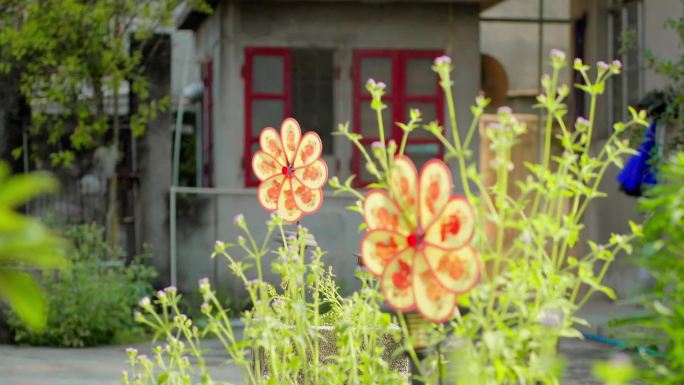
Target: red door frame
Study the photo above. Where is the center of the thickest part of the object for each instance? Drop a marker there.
(398, 97)
(250, 96)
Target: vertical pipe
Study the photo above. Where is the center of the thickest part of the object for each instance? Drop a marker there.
(540, 73)
(175, 172)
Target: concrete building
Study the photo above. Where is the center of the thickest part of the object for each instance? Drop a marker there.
(265, 60)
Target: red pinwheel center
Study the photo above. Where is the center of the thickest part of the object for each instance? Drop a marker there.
(414, 239)
(289, 170)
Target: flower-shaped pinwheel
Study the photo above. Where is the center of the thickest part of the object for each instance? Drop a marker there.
(418, 240)
(290, 170)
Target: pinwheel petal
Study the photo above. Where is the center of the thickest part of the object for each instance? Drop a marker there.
(290, 134)
(396, 281)
(265, 165)
(269, 191)
(403, 184)
(310, 149)
(307, 200)
(314, 175)
(379, 247)
(271, 144)
(381, 212)
(286, 203)
(454, 227)
(435, 185)
(456, 270)
(433, 301)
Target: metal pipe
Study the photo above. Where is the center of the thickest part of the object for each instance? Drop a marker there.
(174, 182)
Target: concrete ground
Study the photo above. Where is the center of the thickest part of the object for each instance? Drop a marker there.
(103, 365)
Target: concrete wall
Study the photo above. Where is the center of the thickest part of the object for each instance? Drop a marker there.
(343, 27)
(611, 215)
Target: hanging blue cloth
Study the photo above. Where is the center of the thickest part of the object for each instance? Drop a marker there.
(638, 173)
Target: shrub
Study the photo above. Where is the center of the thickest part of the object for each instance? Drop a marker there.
(92, 302)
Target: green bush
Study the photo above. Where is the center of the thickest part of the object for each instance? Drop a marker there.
(91, 303)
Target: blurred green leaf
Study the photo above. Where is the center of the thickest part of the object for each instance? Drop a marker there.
(24, 295)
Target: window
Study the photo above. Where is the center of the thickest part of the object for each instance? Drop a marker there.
(625, 45)
(282, 82)
(411, 83)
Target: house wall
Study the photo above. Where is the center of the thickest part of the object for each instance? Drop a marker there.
(344, 27)
(611, 215)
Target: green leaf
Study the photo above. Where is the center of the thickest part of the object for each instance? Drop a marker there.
(25, 297)
(21, 188)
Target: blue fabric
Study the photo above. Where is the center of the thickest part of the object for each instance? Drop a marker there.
(638, 172)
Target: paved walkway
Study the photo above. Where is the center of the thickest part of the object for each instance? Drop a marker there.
(103, 365)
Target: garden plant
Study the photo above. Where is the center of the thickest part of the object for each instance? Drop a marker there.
(497, 301)
(92, 302)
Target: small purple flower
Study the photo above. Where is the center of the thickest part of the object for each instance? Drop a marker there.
(616, 63)
(370, 83)
(161, 294)
(239, 219)
(600, 247)
(144, 302)
(380, 85)
(582, 123)
(577, 63)
(377, 144)
(444, 59)
(557, 54)
(170, 290)
(205, 308)
(602, 65)
(504, 110)
(131, 351)
(526, 239)
(203, 283)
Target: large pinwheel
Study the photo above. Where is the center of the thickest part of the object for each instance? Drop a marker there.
(291, 172)
(418, 240)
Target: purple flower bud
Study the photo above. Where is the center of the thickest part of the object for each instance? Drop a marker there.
(370, 83)
(381, 85)
(602, 65)
(239, 219)
(444, 59)
(527, 239)
(131, 351)
(377, 144)
(203, 283)
(144, 302)
(504, 110)
(557, 54)
(205, 308)
(617, 63)
(581, 121)
(600, 247)
(170, 290)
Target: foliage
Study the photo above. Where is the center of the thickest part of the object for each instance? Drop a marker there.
(25, 244)
(94, 300)
(533, 285)
(661, 245)
(285, 325)
(69, 71)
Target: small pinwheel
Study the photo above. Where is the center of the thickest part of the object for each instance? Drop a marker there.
(291, 172)
(418, 240)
